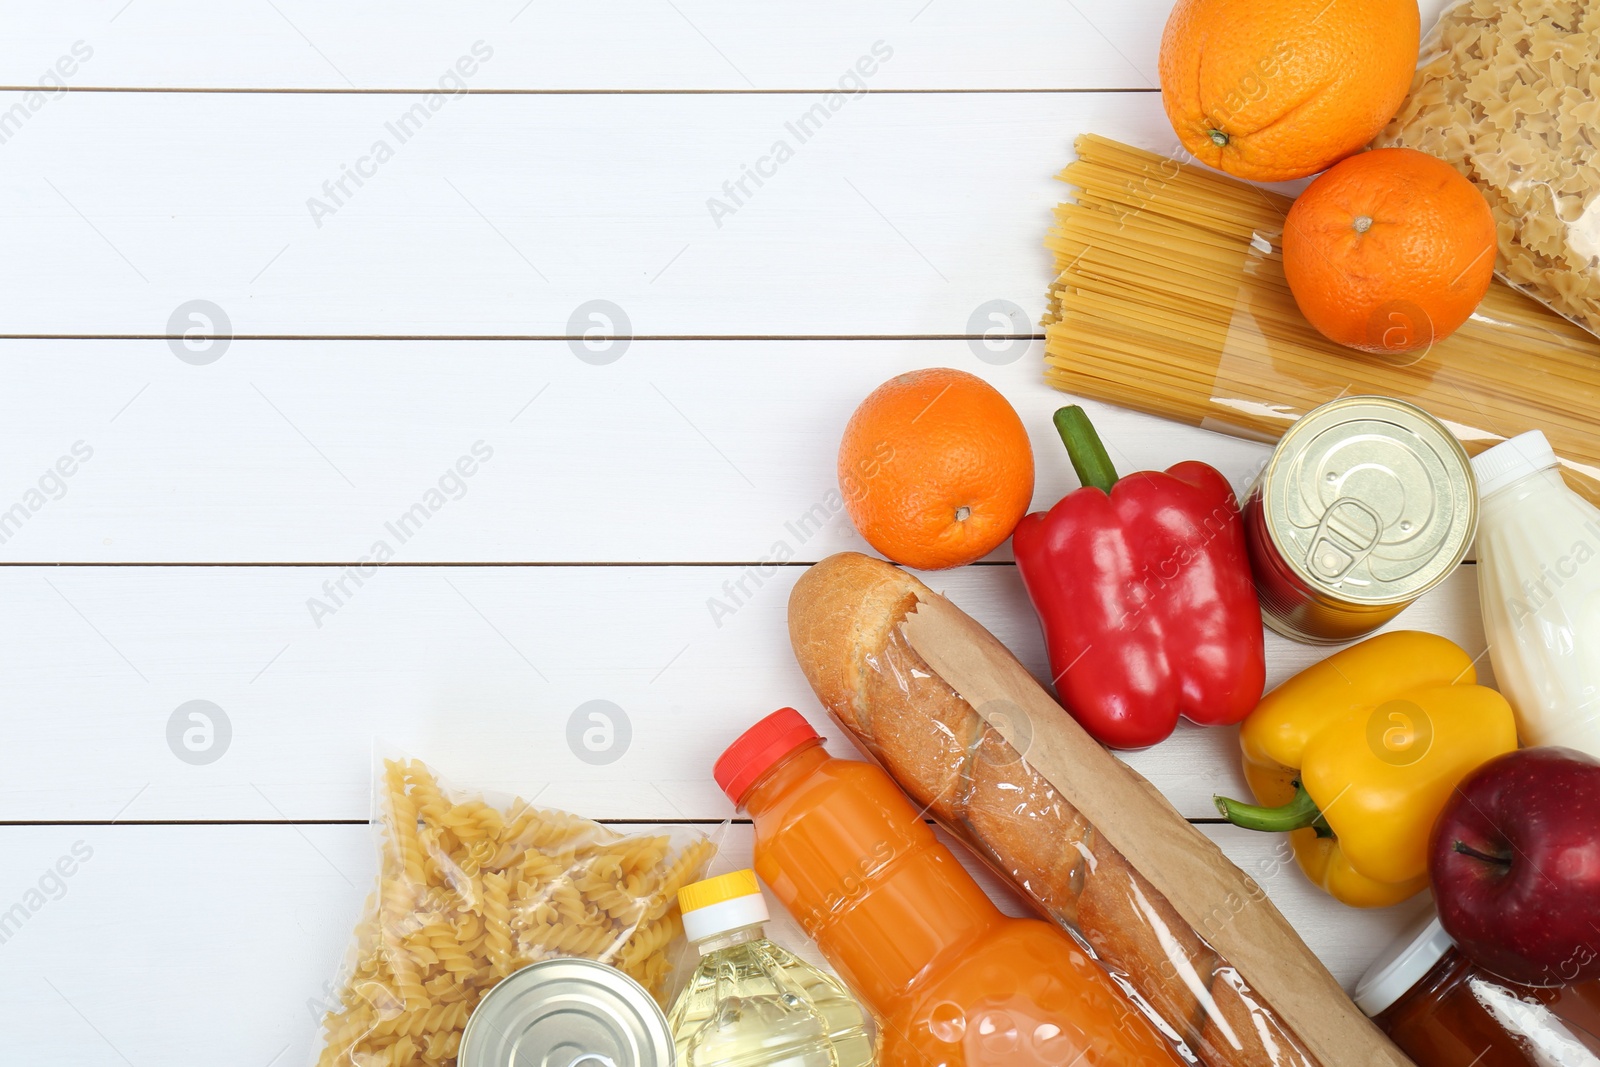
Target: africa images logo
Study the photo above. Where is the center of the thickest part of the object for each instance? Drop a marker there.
(337, 192)
(736, 192)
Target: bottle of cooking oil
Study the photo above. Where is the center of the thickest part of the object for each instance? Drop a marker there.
(752, 1003)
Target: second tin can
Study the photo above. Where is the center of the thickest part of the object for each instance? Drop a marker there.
(567, 1012)
(1367, 503)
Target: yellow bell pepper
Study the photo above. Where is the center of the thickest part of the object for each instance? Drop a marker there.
(1356, 756)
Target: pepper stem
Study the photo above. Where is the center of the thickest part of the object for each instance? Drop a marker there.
(1298, 814)
(1088, 455)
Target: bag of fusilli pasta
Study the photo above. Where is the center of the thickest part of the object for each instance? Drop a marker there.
(470, 890)
(1505, 93)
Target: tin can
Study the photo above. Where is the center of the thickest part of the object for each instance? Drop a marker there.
(567, 1013)
(1367, 503)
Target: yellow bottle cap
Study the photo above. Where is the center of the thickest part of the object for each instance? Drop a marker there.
(716, 890)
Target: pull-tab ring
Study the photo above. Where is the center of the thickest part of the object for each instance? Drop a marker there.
(1336, 549)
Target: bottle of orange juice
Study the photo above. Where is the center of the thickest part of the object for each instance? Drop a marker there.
(951, 979)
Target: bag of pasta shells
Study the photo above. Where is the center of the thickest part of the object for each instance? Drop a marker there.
(469, 891)
(1508, 92)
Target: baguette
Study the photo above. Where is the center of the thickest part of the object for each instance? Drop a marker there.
(845, 618)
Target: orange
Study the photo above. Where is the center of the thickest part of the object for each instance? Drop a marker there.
(1389, 251)
(935, 468)
(1277, 89)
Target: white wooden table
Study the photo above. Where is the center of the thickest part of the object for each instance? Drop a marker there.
(377, 313)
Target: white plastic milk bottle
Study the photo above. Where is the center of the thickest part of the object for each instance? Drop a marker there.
(1539, 584)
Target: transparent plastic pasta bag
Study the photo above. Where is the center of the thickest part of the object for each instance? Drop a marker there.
(472, 887)
(983, 792)
(1506, 94)
(1170, 299)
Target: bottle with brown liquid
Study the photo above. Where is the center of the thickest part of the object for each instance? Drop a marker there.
(1444, 1011)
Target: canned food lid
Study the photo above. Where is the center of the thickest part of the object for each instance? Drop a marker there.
(1371, 499)
(567, 1013)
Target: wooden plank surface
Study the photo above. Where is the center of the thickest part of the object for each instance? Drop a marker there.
(635, 45)
(169, 940)
(483, 671)
(509, 215)
(310, 451)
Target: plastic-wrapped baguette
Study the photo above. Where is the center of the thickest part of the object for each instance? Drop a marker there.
(846, 617)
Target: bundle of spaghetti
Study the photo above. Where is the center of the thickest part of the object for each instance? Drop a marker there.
(1170, 299)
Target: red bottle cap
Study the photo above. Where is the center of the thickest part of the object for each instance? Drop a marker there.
(759, 748)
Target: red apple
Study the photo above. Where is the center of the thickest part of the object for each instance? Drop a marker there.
(1515, 864)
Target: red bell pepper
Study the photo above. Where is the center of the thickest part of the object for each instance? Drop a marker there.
(1143, 588)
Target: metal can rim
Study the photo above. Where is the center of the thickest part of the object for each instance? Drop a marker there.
(602, 974)
(1458, 451)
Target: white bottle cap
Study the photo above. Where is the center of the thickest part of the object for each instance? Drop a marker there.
(1512, 460)
(720, 905)
(1403, 966)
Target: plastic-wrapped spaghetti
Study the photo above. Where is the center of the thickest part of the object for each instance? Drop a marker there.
(1170, 299)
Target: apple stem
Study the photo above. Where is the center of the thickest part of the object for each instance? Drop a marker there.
(1467, 850)
(1298, 814)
